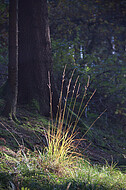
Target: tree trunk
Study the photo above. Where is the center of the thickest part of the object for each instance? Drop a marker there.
(10, 107)
(35, 55)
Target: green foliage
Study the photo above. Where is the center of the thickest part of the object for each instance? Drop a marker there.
(86, 36)
(63, 53)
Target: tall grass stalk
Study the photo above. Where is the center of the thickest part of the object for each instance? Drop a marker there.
(61, 133)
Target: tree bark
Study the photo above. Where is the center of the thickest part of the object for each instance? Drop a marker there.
(10, 107)
(35, 55)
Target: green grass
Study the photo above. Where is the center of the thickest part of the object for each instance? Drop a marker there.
(37, 172)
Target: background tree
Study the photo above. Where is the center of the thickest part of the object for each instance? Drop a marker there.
(10, 107)
(35, 55)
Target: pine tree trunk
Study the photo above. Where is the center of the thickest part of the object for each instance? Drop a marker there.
(35, 54)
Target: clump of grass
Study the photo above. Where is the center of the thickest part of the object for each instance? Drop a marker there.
(61, 133)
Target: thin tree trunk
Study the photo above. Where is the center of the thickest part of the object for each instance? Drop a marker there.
(10, 107)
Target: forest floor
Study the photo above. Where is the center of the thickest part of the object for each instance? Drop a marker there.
(102, 146)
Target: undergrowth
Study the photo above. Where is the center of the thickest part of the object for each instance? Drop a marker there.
(58, 165)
